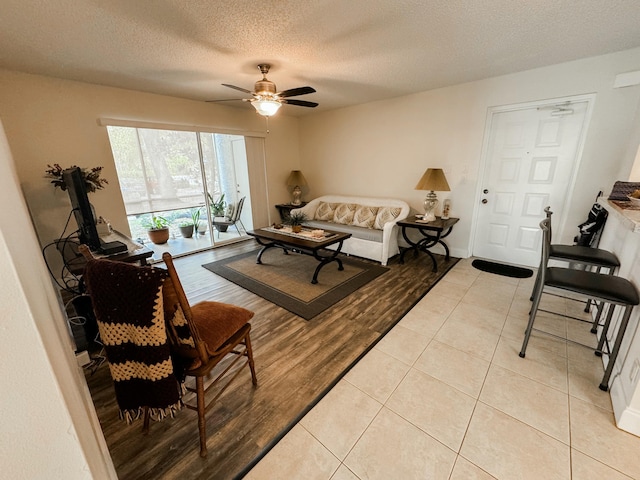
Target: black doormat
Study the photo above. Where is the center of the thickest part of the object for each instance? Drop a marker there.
(501, 269)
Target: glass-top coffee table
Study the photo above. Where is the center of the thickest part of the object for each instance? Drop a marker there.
(304, 242)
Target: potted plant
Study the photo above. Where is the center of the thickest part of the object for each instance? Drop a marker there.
(195, 218)
(218, 208)
(158, 230)
(296, 220)
(91, 177)
(187, 227)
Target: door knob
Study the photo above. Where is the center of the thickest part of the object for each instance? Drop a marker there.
(484, 200)
(485, 191)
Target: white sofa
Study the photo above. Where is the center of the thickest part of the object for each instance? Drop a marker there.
(370, 221)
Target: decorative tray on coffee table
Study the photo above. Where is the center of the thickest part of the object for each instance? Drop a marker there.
(307, 233)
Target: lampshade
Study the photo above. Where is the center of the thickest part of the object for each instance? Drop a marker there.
(434, 180)
(266, 107)
(296, 179)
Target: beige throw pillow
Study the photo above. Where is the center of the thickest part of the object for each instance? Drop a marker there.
(325, 211)
(386, 214)
(344, 213)
(364, 216)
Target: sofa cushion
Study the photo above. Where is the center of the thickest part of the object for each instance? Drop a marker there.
(369, 234)
(364, 216)
(325, 211)
(344, 213)
(384, 215)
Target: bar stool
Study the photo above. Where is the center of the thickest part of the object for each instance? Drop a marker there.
(591, 257)
(609, 289)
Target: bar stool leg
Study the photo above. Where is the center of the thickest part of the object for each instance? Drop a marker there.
(537, 294)
(604, 385)
(596, 321)
(605, 331)
(536, 285)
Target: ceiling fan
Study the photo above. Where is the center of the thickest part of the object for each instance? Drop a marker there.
(266, 99)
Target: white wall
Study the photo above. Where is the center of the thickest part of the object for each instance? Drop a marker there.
(382, 148)
(49, 428)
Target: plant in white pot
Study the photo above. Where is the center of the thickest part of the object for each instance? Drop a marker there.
(158, 230)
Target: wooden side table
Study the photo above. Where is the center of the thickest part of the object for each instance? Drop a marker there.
(285, 208)
(432, 233)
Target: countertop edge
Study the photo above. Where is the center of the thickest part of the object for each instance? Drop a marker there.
(628, 218)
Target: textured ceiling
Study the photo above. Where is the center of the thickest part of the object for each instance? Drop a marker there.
(350, 51)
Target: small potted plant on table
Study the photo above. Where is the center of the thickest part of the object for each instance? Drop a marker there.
(295, 221)
(158, 230)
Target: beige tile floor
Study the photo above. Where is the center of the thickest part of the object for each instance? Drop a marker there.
(445, 396)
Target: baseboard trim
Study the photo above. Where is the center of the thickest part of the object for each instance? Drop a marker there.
(627, 418)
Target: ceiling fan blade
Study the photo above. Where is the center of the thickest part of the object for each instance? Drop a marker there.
(292, 92)
(228, 100)
(238, 88)
(300, 103)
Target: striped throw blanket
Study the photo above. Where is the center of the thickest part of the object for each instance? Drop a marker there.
(127, 301)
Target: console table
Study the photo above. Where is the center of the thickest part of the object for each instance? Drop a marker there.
(432, 233)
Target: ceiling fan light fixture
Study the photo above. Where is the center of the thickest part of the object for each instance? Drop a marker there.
(266, 98)
(266, 107)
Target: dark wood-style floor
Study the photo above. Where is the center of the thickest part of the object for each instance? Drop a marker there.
(296, 362)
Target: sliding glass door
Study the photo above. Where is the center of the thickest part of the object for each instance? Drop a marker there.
(183, 177)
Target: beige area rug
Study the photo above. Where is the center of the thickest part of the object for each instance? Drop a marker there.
(286, 279)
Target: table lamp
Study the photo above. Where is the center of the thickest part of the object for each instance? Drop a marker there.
(296, 180)
(432, 180)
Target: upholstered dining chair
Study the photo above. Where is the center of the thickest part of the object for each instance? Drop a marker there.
(151, 351)
(216, 330)
(608, 289)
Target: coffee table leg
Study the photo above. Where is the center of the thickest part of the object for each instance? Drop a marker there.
(267, 246)
(326, 260)
(314, 280)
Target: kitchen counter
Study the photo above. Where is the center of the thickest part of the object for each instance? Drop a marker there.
(627, 214)
(620, 235)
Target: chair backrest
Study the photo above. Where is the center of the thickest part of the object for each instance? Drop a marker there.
(548, 212)
(237, 211)
(174, 300)
(545, 226)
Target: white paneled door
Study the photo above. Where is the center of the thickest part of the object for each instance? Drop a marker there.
(530, 161)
